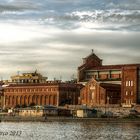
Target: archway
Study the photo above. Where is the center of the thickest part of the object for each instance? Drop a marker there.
(37, 100)
(25, 100)
(13, 101)
(46, 100)
(16, 101)
(10, 100)
(55, 100)
(29, 100)
(41, 98)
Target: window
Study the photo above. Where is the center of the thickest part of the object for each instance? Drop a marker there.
(126, 83)
(93, 95)
(131, 93)
(125, 101)
(131, 83)
(130, 101)
(126, 93)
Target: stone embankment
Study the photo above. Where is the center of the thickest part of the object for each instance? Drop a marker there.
(114, 111)
(69, 119)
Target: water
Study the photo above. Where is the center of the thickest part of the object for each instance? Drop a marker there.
(69, 130)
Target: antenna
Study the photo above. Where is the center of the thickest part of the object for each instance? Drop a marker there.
(92, 50)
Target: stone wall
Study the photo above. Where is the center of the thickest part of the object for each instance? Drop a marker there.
(114, 111)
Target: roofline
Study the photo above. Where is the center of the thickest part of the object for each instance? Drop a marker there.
(43, 84)
(114, 67)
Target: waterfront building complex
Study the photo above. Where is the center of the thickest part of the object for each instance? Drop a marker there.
(110, 79)
(97, 85)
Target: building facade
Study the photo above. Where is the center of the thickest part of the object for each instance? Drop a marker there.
(52, 93)
(32, 77)
(125, 75)
(100, 94)
(130, 85)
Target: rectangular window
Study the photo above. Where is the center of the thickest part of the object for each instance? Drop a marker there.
(130, 101)
(131, 93)
(126, 101)
(129, 83)
(126, 93)
(92, 95)
(132, 83)
(126, 83)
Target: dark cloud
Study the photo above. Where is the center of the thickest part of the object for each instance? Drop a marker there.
(123, 4)
(70, 14)
(15, 5)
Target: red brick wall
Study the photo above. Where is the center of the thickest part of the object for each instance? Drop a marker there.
(129, 85)
(40, 95)
(90, 89)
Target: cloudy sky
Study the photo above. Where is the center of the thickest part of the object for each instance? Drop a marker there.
(53, 35)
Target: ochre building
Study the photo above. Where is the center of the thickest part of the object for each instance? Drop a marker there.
(126, 75)
(30, 77)
(51, 93)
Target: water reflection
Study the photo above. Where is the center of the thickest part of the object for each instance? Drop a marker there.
(69, 130)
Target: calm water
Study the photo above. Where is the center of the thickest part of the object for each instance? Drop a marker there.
(67, 130)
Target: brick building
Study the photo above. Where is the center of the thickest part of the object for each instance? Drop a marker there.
(125, 75)
(51, 93)
(100, 94)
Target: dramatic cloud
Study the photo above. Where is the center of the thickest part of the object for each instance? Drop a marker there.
(53, 36)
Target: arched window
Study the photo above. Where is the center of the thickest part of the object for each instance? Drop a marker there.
(51, 100)
(37, 99)
(33, 99)
(25, 100)
(6, 100)
(46, 100)
(16, 103)
(10, 100)
(13, 101)
(21, 100)
(54, 100)
(18, 100)
(29, 100)
(41, 98)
